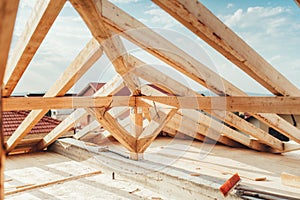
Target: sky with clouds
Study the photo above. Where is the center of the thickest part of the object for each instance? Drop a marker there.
(270, 27)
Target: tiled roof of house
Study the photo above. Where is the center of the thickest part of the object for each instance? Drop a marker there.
(12, 119)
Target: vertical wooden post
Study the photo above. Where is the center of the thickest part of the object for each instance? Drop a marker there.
(2, 151)
(136, 116)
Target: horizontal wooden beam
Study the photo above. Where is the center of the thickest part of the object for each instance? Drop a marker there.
(35, 103)
(91, 13)
(83, 61)
(138, 33)
(253, 104)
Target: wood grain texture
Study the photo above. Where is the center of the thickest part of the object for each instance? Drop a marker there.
(8, 13)
(85, 59)
(139, 34)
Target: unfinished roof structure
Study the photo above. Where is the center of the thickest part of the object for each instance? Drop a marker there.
(178, 108)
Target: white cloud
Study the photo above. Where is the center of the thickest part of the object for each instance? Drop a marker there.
(273, 33)
(159, 18)
(230, 5)
(254, 15)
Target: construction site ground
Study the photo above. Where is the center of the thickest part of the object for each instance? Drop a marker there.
(171, 169)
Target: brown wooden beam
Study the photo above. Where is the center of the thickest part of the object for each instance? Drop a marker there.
(8, 13)
(254, 104)
(84, 60)
(47, 103)
(91, 13)
(115, 129)
(138, 33)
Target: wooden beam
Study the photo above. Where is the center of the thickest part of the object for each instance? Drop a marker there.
(207, 26)
(115, 129)
(91, 12)
(2, 152)
(41, 19)
(8, 12)
(187, 122)
(290, 180)
(86, 58)
(111, 87)
(136, 119)
(90, 127)
(155, 44)
(63, 127)
(297, 2)
(152, 75)
(133, 30)
(158, 121)
(47, 103)
(250, 104)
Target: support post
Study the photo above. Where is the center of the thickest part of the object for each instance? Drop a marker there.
(2, 151)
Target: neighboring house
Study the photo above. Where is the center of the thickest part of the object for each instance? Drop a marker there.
(12, 120)
(60, 114)
(90, 90)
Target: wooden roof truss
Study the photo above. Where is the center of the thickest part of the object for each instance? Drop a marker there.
(108, 24)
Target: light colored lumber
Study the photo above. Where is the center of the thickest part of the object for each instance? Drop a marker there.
(115, 129)
(133, 30)
(290, 180)
(35, 103)
(91, 12)
(86, 58)
(63, 127)
(41, 19)
(207, 26)
(192, 121)
(8, 12)
(253, 104)
(111, 87)
(8, 16)
(158, 120)
(152, 75)
(291, 146)
(155, 44)
(136, 121)
(72, 178)
(90, 127)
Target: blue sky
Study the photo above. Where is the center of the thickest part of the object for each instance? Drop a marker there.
(270, 27)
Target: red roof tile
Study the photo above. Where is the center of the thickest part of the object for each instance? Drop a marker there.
(12, 119)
